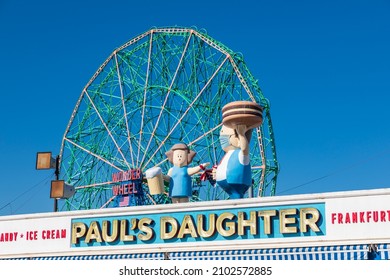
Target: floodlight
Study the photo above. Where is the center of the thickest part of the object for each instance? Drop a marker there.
(61, 190)
(45, 161)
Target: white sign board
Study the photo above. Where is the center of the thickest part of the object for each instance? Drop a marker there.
(358, 217)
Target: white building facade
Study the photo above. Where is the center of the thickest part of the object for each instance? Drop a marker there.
(353, 225)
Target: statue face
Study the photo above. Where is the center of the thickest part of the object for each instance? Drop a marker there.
(180, 158)
(226, 131)
(228, 139)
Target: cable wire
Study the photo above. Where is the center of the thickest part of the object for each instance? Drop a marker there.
(24, 193)
(338, 171)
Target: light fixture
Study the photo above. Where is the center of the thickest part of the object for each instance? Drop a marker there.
(61, 190)
(58, 188)
(45, 161)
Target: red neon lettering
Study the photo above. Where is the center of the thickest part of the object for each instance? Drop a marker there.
(340, 218)
(8, 236)
(383, 216)
(115, 190)
(361, 217)
(53, 234)
(333, 217)
(368, 216)
(136, 174)
(132, 174)
(354, 217)
(347, 218)
(32, 235)
(116, 177)
(124, 189)
(376, 216)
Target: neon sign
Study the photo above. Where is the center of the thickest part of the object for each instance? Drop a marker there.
(127, 188)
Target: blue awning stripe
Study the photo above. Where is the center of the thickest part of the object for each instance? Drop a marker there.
(384, 251)
(355, 252)
(149, 256)
(346, 252)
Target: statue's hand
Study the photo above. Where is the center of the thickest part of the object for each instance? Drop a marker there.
(214, 172)
(241, 129)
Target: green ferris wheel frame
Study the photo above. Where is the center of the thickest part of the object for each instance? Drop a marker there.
(165, 86)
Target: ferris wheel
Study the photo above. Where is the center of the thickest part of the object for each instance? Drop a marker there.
(163, 87)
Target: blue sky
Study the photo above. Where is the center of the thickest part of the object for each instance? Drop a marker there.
(324, 66)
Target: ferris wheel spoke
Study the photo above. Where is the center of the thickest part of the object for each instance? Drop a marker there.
(263, 162)
(145, 92)
(167, 94)
(108, 202)
(68, 127)
(93, 154)
(205, 135)
(188, 108)
(107, 129)
(151, 199)
(124, 109)
(94, 185)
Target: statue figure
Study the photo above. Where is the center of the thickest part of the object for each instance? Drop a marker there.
(179, 176)
(234, 174)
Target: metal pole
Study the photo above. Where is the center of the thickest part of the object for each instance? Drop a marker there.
(57, 173)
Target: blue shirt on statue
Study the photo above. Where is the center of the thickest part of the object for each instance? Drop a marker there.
(234, 174)
(180, 182)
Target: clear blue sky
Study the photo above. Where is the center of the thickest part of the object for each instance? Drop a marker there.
(324, 65)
